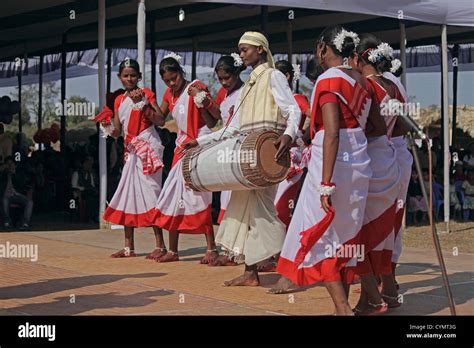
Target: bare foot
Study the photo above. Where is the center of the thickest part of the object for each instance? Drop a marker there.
(209, 257)
(156, 254)
(222, 260)
(169, 257)
(246, 279)
(283, 286)
(126, 252)
(268, 265)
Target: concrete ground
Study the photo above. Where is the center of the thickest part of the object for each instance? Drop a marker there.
(74, 275)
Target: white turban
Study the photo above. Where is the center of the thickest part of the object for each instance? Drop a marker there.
(255, 38)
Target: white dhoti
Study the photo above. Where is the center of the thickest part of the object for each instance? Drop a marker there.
(250, 227)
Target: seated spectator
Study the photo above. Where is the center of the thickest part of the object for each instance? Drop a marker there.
(416, 202)
(469, 158)
(454, 201)
(459, 171)
(468, 187)
(85, 185)
(14, 189)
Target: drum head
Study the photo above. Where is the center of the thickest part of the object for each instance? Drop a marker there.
(271, 170)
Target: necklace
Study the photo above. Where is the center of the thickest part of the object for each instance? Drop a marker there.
(173, 102)
(344, 66)
(376, 75)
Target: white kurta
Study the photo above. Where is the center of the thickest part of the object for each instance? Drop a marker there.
(250, 227)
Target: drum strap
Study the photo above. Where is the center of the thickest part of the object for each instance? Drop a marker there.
(251, 83)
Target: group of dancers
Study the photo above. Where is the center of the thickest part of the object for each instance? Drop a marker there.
(336, 218)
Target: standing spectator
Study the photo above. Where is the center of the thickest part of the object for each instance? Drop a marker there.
(416, 203)
(85, 182)
(14, 189)
(6, 144)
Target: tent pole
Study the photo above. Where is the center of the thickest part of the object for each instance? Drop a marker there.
(264, 20)
(63, 98)
(444, 62)
(109, 69)
(403, 53)
(40, 92)
(102, 142)
(289, 35)
(455, 54)
(20, 121)
(141, 34)
(153, 52)
(194, 59)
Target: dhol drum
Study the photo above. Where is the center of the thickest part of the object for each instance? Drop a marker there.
(243, 162)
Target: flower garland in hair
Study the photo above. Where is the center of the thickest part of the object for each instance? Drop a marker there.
(237, 60)
(396, 64)
(173, 55)
(340, 37)
(386, 50)
(296, 72)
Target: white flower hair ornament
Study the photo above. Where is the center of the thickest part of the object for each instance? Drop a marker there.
(339, 39)
(374, 55)
(173, 55)
(237, 60)
(385, 50)
(396, 64)
(296, 72)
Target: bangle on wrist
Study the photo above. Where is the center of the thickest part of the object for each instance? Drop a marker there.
(326, 188)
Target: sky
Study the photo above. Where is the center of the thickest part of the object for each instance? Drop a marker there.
(424, 88)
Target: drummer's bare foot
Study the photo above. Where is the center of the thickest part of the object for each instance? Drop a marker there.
(156, 254)
(169, 257)
(283, 286)
(268, 265)
(223, 260)
(125, 252)
(249, 278)
(209, 257)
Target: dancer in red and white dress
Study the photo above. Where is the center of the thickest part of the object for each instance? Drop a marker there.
(321, 237)
(133, 204)
(404, 158)
(285, 200)
(377, 234)
(179, 208)
(228, 69)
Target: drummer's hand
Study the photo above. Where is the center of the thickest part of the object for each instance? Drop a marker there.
(190, 144)
(326, 203)
(283, 143)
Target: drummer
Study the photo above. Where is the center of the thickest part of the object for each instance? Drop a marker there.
(250, 226)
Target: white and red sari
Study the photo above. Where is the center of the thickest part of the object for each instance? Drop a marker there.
(315, 242)
(405, 161)
(133, 204)
(377, 234)
(226, 104)
(179, 208)
(287, 192)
